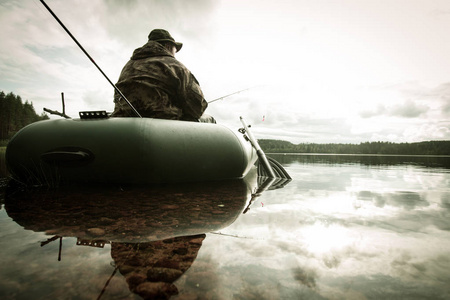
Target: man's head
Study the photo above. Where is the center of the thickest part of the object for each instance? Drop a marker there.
(163, 36)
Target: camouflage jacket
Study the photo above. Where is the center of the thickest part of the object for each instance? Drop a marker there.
(158, 86)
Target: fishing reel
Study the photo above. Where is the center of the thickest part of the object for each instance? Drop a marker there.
(243, 131)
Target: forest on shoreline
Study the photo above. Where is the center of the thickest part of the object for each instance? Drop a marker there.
(388, 148)
(15, 114)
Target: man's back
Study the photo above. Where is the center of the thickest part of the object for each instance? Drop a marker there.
(158, 86)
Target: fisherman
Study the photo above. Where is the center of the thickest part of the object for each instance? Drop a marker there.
(158, 85)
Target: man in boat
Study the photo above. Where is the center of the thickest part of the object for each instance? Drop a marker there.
(158, 85)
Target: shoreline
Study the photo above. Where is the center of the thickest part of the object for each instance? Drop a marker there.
(3, 150)
(355, 154)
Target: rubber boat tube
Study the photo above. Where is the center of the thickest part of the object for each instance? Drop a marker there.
(127, 150)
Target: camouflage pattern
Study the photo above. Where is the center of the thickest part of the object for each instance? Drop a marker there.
(158, 86)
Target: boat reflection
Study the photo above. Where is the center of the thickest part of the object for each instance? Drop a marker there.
(154, 233)
(135, 214)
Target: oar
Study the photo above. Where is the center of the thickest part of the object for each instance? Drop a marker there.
(273, 168)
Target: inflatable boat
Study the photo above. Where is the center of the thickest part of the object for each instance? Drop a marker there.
(126, 150)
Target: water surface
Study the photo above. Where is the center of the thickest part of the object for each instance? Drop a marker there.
(345, 227)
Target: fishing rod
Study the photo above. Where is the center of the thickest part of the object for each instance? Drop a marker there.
(90, 58)
(220, 98)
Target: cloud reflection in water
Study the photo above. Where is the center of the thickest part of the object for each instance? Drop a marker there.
(345, 232)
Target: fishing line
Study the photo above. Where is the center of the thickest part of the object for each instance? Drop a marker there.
(220, 98)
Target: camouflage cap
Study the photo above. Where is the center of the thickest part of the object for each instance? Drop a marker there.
(161, 35)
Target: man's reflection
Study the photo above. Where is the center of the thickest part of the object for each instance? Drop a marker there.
(151, 268)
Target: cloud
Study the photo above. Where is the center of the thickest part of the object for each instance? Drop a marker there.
(437, 97)
(441, 94)
(408, 109)
(417, 100)
(446, 108)
(380, 110)
(406, 112)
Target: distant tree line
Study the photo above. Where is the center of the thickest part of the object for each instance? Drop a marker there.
(14, 114)
(420, 148)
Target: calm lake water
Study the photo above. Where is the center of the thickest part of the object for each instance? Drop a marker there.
(345, 227)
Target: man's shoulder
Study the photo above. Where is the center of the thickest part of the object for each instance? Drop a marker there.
(171, 62)
(150, 50)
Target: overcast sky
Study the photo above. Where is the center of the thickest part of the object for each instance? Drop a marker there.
(345, 71)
